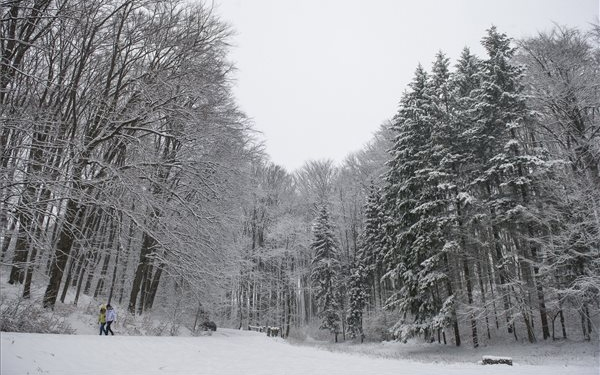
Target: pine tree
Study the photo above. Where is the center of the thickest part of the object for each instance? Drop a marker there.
(441, 183)
(506, 178)
(370, 254)
(325, 272)
(457, 162)
(358, 298)
(411, 258)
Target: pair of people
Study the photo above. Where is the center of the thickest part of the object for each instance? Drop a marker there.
(107, 316)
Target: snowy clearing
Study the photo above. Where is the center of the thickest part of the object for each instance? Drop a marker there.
(226, 352)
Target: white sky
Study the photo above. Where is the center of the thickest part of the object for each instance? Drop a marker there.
(318, 77)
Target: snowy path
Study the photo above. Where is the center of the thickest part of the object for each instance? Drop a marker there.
(227, 352)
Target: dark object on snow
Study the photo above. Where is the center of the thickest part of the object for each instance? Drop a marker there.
(273, 331)
(492, 360)
(257, 328)
(209, 326)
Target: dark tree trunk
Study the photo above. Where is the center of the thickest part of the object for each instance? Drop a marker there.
(451, 293)
(470, 300)
(61, 256)
(146, 280)
(483, 298)
(80, 264)
(80, 278)
(19, 261)
(114, 275)
(562, 320)
(100, 283)
(467, 273)
(126, 256)
(74, 260)
(29, 275)
(91, 274)
(147, 244)
(289, 316)
(91, 225)
(151, 293)
(9, 233)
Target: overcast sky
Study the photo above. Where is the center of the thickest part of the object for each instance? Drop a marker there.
(318, 77)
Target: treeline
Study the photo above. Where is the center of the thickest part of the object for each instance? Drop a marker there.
(476, 220)
(123, 155)
(473, 215)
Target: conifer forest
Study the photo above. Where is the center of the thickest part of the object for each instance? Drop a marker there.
(128, 173)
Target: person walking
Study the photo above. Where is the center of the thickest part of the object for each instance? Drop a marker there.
(111, 316)
(102, 320)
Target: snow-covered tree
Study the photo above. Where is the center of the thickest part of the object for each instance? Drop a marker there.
(357, 292)
(411, 258)
(507, 176)
(325, 272)
(371, 250)
(562, 87)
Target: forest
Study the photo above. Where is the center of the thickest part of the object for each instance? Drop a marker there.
(129, 174)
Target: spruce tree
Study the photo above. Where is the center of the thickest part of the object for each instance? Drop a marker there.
(437, 203)
(370, 254)
(507, 177)
(325, 272)
(408, 257)
(458, 163)
(358, 298)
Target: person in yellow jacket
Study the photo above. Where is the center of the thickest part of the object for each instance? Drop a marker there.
(102, 320)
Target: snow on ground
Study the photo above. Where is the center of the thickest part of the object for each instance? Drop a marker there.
(549, 353)
(226, 352)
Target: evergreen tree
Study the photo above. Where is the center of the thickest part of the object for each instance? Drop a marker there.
(506, 177)
(370, 254)
(358, 298)
(436, 205)
(458, 164)
(411, 262)
(325, 272)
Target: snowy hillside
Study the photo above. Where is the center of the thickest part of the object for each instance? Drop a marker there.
(226, 352)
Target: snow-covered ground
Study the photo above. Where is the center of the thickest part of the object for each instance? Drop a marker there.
(134, 350)
(226, 352)
(543, 353)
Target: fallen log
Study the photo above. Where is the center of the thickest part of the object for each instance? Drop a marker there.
(493, 360)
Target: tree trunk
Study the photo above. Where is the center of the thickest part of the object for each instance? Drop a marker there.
(29, 275)
(147, 245)
(540, 294)
(467, 273)
(74, 260)
(91, 229)
(19, 261)
(114, 275)
(100, 283)
(470, 300)
(61, 255)
(151, 293)
(126, 256)
(8, 235)
(483, 298)
(80, 278)
(92, 273)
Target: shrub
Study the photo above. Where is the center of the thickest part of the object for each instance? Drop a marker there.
(209, 326)
(23, 315)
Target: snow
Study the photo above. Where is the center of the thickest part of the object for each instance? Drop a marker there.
(226, 352)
